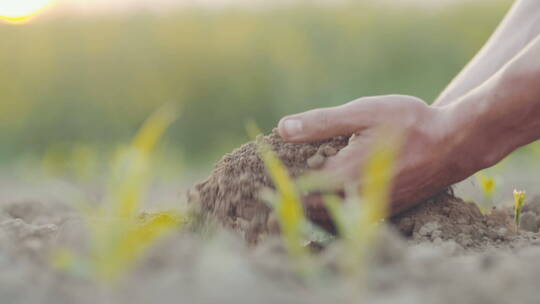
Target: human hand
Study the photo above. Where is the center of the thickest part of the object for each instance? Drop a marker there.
(427, 161)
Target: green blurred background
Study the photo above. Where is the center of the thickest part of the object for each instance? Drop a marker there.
(68, 81)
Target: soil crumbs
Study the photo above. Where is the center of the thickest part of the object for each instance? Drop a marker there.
(232, 192)
(443, 251)
(232, 196)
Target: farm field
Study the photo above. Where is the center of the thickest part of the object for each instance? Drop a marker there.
(443, 259)
(133, 170)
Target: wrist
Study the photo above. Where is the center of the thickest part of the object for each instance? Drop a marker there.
(459, 141)
(477, 136)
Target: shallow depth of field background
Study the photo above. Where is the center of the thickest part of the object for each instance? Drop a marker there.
(74, 84)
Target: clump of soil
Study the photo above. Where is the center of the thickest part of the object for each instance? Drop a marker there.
(232, 195)
(446, 217)
(232, 192)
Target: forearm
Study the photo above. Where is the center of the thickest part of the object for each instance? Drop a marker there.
(519, 27)
(501, 115)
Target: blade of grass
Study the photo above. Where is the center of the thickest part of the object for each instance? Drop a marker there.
(519, 200)
(289, 208)
(118, 237)
(288, 205)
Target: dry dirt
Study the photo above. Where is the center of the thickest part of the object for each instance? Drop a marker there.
(191, 268)
(443, 251)
(232, 195)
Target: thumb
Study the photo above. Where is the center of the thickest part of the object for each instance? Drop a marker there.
(323, 123)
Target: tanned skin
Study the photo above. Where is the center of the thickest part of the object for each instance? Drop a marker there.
(490, 109)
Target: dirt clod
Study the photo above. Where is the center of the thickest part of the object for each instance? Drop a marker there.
(232, 192)
(327, 150)
(316, 161)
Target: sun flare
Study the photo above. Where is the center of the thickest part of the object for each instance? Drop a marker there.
(20, 11)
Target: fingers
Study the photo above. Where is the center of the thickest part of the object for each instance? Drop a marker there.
(316, 125)
(324, 123)
(350, 118)
(346, 165)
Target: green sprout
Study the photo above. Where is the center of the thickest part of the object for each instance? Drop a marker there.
(119, 235)
(289, 208)
(358, 217)
(519, 201)
(488, 186)
(287, 203)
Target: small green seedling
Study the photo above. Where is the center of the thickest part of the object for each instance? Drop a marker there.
(488, 186)
(358, 218)
(519, 200)
(287, 204)
(289, 208)
(119, 235)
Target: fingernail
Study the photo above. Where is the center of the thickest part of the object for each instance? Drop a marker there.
(292, 127)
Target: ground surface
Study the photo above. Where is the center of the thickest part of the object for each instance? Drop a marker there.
(444, 251)
(433, 267)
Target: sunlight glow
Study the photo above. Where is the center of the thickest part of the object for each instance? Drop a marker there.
(21, 11)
